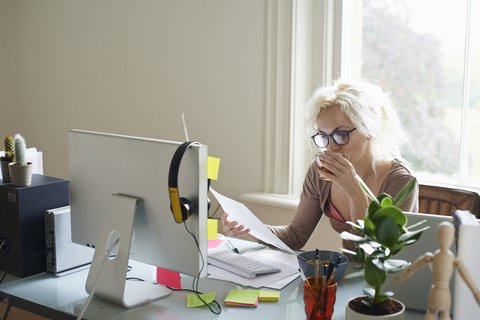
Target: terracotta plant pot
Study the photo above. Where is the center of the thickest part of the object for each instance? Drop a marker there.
(355, 315)
(5, 171)
(21, 176)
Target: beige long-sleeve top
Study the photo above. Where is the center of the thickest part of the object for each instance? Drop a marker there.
(313, 205)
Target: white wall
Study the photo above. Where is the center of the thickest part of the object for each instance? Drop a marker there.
(132, 67)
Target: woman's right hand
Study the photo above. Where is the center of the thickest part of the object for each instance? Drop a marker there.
(232, 229)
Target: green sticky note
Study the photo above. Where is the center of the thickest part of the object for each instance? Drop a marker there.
(213, 165)
(242, 296)
(193, 301)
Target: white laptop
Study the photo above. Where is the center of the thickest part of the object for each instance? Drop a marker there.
(413, 292)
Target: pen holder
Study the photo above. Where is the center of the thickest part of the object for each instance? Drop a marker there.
(319, 301)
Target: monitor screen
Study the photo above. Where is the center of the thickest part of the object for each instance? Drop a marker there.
(102, 165)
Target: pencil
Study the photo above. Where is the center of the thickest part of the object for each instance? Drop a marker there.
(317, 265)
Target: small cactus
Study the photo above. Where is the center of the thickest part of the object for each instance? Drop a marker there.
(20, 150)
(9, 149)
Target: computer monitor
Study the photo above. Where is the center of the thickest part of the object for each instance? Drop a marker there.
(120, 189)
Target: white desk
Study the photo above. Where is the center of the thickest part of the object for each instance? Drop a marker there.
(68, 295)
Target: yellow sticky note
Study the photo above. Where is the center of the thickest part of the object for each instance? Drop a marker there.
(193, 301)
(243, 296)
(212, 167)
(212, 225)
(269, 296)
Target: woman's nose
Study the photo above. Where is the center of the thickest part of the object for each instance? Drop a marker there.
(332, 146)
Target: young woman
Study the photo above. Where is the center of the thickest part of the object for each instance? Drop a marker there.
(356, 128)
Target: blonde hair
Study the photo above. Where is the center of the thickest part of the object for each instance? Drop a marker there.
(370, 109)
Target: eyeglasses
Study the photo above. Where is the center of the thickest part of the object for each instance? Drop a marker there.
(340, 138)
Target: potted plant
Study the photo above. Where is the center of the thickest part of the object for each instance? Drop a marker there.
(9, 157)
(384, 233)
(20, 170)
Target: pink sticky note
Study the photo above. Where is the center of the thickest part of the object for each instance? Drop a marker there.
(168, 278)
(214, 243)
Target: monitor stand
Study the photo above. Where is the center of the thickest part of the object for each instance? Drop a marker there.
(112, 284)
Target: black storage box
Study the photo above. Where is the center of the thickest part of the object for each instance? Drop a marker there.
(22, 222)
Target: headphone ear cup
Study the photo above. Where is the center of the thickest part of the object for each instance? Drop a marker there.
(186, 207)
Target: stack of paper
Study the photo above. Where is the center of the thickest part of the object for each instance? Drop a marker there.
(242, 298)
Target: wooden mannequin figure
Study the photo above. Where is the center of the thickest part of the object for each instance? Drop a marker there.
(443, 263)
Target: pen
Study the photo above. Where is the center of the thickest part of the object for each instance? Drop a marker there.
(335, 269)
(233, 248)
(317, 262)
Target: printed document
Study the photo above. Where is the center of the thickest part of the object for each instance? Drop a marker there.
(239, 212)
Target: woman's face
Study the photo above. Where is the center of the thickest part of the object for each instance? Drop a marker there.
(332, 120)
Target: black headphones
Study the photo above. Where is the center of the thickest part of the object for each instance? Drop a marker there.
(181, 208)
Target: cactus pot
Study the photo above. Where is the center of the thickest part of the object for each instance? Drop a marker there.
(5, 171)
(21, 176)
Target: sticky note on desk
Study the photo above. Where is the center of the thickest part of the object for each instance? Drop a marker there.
(169, 278)
(242, 298)
(213, 165)
(269, 296)
(193, 301)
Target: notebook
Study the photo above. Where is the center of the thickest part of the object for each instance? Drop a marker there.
(414, 291)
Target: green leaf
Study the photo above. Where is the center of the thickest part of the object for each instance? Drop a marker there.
(374, 276)
(366, 302)
(366, 189)
(391, 265)
(403, 194)
(412, 234)
(380, 298)
(392, 212)
(387, 232)
(359, 256)
(369, 292)
(353, 275)
(351, 237)
(387, 202)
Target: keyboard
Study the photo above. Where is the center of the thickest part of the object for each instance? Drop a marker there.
(238, 264)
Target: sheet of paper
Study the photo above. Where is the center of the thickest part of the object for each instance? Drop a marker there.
(193, 301)
(239, 212)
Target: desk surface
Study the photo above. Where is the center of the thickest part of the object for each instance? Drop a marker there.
(67, 294)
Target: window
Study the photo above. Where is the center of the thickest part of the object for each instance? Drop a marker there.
(429, 57)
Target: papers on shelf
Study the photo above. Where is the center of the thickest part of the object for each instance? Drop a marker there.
(286, 262)
(239, 212)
